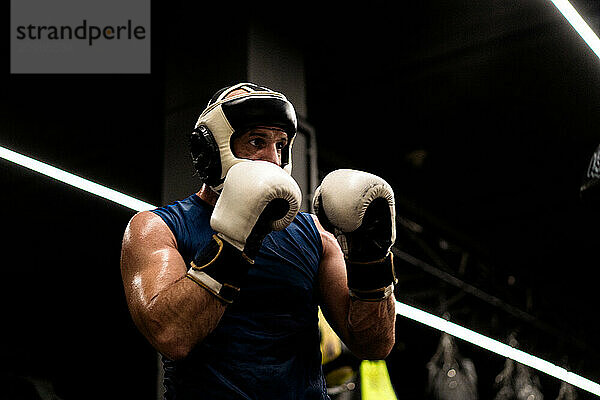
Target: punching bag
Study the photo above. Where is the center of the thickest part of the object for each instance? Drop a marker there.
(451, 376)
(516, 381)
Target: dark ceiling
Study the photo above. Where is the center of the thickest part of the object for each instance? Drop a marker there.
(482, 115)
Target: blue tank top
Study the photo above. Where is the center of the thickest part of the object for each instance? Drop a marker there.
(266, 345)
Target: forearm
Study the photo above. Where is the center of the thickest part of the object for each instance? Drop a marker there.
(371, 328)
(178, 317)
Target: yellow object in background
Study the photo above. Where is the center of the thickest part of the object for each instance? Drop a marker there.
(331, 345)
(375, 381)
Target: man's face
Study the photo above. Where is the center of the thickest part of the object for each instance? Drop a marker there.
(260, 143)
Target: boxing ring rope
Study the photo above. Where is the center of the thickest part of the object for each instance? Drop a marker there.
(402, 309)
(578, 23)
(74, 180)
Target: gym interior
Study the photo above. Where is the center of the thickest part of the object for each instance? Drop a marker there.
(483, 117)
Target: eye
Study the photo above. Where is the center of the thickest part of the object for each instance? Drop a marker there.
(281, 145)
(257, 142)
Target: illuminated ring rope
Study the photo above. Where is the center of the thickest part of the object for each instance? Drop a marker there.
(402, 309)
(582, 28)
(74, 180)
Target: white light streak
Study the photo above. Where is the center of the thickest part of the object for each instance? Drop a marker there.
(496, 347)
(586, 33)
(401, 309)
(74, 180)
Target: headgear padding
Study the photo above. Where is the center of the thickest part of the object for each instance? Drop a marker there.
(225, 116)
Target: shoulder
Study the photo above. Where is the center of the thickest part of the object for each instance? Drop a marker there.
(320, 228)
(146, 240)
(330, 243)
(148, 229)
(146, 222)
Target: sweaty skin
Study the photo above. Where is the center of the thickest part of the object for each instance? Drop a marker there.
(175, 314)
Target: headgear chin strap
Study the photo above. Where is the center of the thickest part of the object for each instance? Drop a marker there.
(210, 141)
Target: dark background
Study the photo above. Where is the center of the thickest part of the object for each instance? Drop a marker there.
(482, 116)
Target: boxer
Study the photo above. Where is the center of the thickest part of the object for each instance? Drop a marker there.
(226, 284)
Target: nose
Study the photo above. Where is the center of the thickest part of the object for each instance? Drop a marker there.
(271, 154)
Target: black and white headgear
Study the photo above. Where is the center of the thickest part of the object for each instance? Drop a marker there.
(210, 141)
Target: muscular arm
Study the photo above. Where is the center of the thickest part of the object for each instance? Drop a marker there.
(170, 310)
(367, 328)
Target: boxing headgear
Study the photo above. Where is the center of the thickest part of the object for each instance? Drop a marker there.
(210, 141)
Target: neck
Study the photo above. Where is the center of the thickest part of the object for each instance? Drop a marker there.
(208, 195)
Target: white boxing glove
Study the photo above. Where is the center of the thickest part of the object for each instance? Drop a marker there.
(359, 209)
(258, 197)
(249, 187)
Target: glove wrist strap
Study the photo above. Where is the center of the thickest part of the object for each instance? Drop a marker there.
(372, 295)
(371, 280)
(221, 269)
